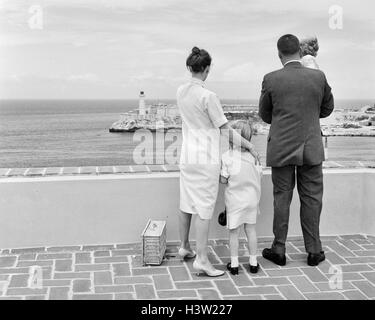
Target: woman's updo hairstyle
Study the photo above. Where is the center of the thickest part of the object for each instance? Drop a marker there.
(198, 60)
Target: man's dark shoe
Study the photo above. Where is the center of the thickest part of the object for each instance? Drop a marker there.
(279, 259)
(314, 259)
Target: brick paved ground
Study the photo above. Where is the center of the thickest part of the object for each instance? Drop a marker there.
(115, 272)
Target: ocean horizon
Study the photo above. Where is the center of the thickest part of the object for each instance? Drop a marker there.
(54, 133)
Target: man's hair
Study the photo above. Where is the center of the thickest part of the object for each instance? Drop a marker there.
(288, 45)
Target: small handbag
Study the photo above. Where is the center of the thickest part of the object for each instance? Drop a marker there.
(222, 219)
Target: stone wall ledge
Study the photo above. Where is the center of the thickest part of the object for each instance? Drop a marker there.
(134, 169)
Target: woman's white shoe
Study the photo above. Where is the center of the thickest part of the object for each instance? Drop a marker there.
(212, 272)
(186, 254)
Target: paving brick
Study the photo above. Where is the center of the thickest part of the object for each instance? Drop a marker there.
(303, 284)
(13, 270)
(290, 292)
(222, 251)
(133, 280)
(297, 256)
(124, 296)
(27, 256)
(365, 253)
(102, 278)
(81, 285)
(162, 282)
(72, 275)
(40, 263)
(179, 273)
(326, 286)
(350, 244)
(126, 252)
(258, 290)
(144, 291)
(324, 296)
(121, 269)
(334, 258)
(92, 267)
(111, 259)
(209, 294)
(106, 169)
(7, 261)
(357, 260)
(59, 293)
(25, 291)
(82, 257)
(165, 294)
(356, 268)
(63, 265)
(271, 281)
(352, 236)
(92, 297)
(105, 253)
(314, 274)
(366, 288)
(339, 249)
(113, 289)
(284, 272)
(149, 271)
(56, 283)
(131, 246)
(193, 284)
(64, 249)
(354, 295)
(349, 276)
(98, 247)
(19, 280)
(369, 246)
(370, 276)
(226, 287)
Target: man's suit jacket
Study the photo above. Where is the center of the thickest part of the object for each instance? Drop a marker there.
(292, 101)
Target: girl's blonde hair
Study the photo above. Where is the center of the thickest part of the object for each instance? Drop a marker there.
(243, 127)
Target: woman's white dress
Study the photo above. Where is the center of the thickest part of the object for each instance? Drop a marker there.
(243, 191)
(202, 116)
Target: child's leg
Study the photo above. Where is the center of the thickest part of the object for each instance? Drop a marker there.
(251, 235)
(233, 244)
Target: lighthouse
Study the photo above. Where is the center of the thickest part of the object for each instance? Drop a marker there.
(142, 104)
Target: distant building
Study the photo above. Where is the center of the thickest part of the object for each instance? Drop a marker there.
(142, 104)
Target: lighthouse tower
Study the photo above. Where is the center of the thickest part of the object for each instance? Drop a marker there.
(142, 104)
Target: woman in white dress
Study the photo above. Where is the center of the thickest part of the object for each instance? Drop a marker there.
(203, 120)
(309, 51)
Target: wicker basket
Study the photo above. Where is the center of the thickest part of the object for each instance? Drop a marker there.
(154, 238)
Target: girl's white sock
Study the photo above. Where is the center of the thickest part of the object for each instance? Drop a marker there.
(234, 262)
(253, 260)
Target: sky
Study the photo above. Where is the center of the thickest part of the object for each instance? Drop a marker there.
(112, 49)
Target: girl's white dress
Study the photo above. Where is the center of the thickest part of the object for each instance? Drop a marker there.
(243, 191)
(309, 61)
(202, 116)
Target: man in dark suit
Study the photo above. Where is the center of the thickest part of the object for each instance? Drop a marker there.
(292, 101)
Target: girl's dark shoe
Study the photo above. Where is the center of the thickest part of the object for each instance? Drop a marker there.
(254, 269)
(233, 271)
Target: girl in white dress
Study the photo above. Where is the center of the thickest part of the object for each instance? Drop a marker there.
(203, 121)
(309, 51)
(242, 195)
